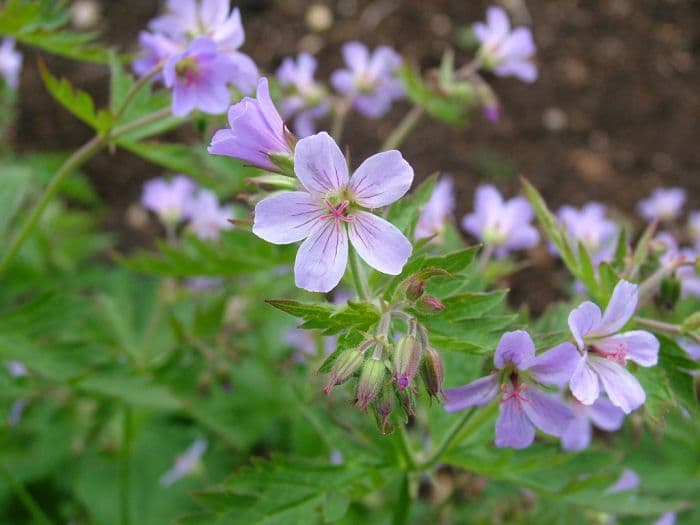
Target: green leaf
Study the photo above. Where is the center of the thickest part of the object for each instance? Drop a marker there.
(133, 390)
(14, 188)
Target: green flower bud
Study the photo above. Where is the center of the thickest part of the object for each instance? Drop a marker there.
(383, 407)
(670, 292)
(433, 372)
(406, 360)
(372, 378)
(283, 161)
(345, 365)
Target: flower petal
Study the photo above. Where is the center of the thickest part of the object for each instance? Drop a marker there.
(583, 320)
(629, 480)
(514, 347)
(286, 217)
(322, 258)
(513, 428)
(605, 415)
(622, 387)
(356, 56)
(475, 394)
(379, 242)
(320, 165)
(577, 435)
(584, 383)
(641, 346)
(555, 366)
(547, 412)
(620, 309)
(381, 179)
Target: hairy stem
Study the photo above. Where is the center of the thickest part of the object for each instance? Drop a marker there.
(358, 276)
(125, 478)
(404, 446)
(404, 128)
(667, 328)
(25, 498)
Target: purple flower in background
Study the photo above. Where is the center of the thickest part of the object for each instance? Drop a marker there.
(669, 518)
(207, 217)
(523, 407)
(694, 228)
(370, 78)
(305, 344)
(629, 480)
(332, 209)
(505, 52)
(155, 50)
(691, 347)
(17, 369)
(185, 463)
(307, 101)
(10, 63)
(168, 199)
(590, 227)
(504, 225)
(256, 131)
(664, 204)
(675, 257)
(605, 351)
(199, 76)
(438, 210)
(602, 413)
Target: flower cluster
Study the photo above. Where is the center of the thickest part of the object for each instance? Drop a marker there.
(196, 43)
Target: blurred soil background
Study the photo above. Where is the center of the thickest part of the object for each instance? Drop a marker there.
(614, 113)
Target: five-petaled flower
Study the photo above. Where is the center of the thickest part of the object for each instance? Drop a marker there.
(370, 80)
(505, 225)
(506, 52)
(437, 211)
(592, 229)
(522, 405)
(604, 351)
(170, 200)
(207, 216)
(664, 204)
(332, 208)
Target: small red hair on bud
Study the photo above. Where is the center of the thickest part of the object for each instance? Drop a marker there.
(431, 304)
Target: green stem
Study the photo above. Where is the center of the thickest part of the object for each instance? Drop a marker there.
(125, 478)
(403, 503)
(667, 328)
(358, 277)
(25, 497)
(404, 128)
(341, 112)
(447, 440)
(143, 121)
(405, 446)
(138, 85)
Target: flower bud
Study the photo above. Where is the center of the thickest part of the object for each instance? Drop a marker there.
(372, 378)
(433, 372)
(345, 365)
(430, 304)
(383, 406)
(407, 400)
(406, 361)
(415, 289)
(670, 292)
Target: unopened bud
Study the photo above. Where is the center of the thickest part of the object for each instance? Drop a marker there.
(670, 292)
(430, 304)
(383, 406)
(345, 365)
(406, 361)
(415, 289)
(408, 401)
(433, 372)
(372, 378)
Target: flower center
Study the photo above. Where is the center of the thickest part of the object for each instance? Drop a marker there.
(514, 391)
(337, 213)
(616, 352)
(187, 69)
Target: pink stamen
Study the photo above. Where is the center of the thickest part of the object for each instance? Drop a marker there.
(618, 354)
(516, 393)
(337, 214)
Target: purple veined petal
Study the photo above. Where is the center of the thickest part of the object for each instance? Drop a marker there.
(555, 366)
(475, 394)
(320, 165)
(584, 320)
(629, 480)
(287, 217)
(515, 348)
(584, 383)
(498, 23)
(521, 69)
(578, 434)
(356, 56)
(379, 243)
(269, 112)
(620, 309)
(518, 43)
(638, 345)
(513, 428)
(322, 258)
(381, 179)
(605, 415)
(547, 412)
(622, 387)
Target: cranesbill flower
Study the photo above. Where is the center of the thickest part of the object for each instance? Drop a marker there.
(604, 351)
(523, 407)
(333, 208)
(10, 63)
(370, 78)
(664, 204)
(169, 200)
(602, 414)
(199, 77)
(437, 211)
(590, 227)
(256, 132)
(155, 50)
(505, 52)
(505, 225)
(207, 217)
(307, 100)
(185, 463)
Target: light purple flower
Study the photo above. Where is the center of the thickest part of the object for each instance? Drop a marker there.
(694, 228)
(168, 199)
(370, 78)
(604, 351)
(669, 518)
(590, 227)
(506, 52)
(437, 211)
(17, 411)
(675, 257)
(523, 407)
(332, 208)
(691, 347)
(664, 204)
(504, 225)
(305, 344)
(155, 50)
(10, 63)
(307, 100)
(199, 78)
(256, 131)
(207, 217)
(17, 369)
(602, 413)
(186, 463)
(629, 480)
